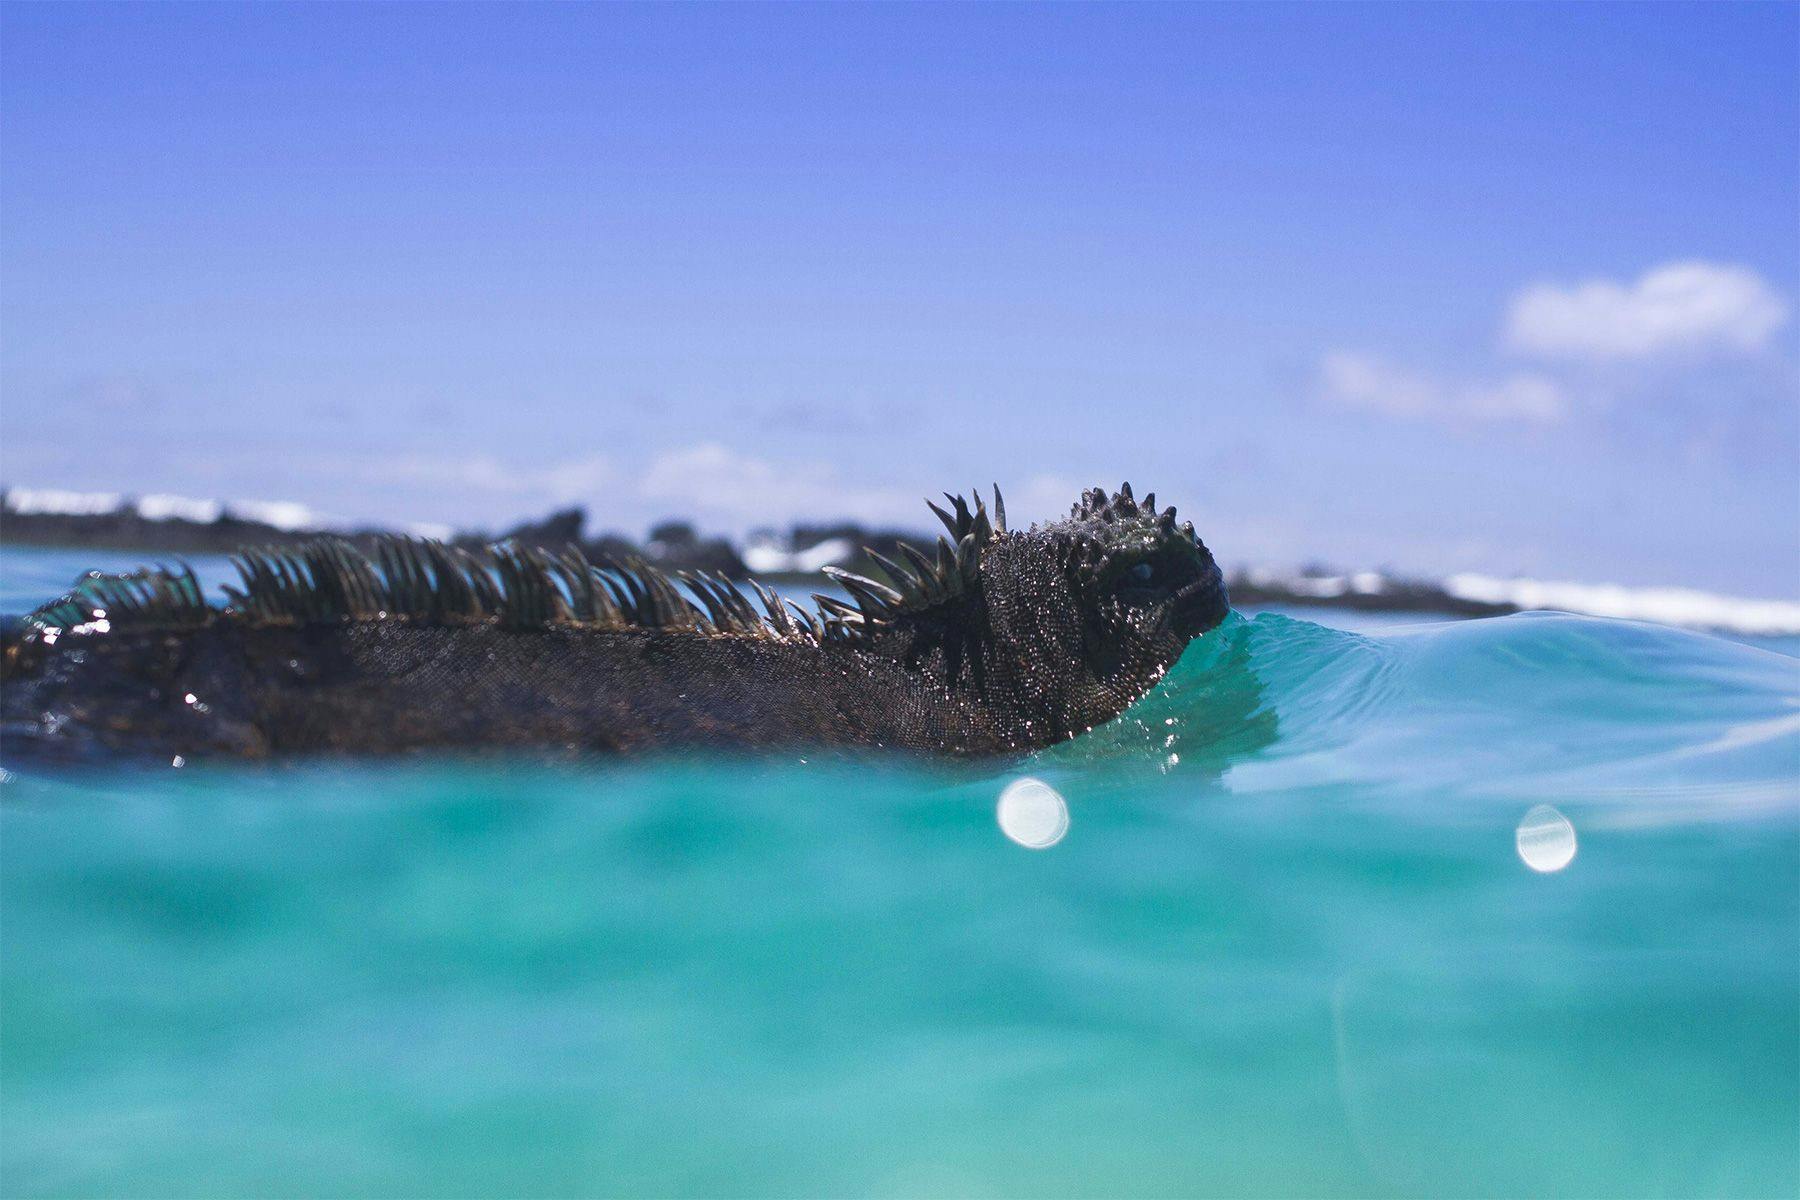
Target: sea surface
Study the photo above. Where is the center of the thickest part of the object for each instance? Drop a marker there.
(1500, 907)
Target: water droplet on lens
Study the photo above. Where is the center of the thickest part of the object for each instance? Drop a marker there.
(1032, 813)
(1546, 839)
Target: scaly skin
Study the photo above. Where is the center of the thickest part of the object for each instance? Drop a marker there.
(1006, 642)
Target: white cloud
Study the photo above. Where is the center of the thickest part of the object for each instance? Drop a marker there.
(561, 482)
(724, 488)
(1352, 380)
(1517, 397)
(1679, 307)
(577, 478)
(712, 481)
(1359, 381)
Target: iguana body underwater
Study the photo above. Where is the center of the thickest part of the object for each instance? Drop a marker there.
(1003, 642)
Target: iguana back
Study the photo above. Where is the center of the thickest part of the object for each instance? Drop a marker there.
(1004, 641)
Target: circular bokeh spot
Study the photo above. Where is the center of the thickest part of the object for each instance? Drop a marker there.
(1032, 813)
(1546, 839)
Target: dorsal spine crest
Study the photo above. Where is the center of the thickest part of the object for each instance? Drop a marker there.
(330, 581)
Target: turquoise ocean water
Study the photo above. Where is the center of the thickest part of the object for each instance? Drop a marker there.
(1289, 945)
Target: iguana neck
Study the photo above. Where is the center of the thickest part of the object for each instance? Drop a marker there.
(1020, 663)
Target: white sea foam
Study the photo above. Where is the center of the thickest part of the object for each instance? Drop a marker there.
(1664, 605)
(770, 558)
(1320, 587)
(286, 515)
(767, 558)
(58, 502)
(160, 507)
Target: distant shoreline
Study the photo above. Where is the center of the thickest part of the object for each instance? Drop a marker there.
(125, 530)
(169, 525)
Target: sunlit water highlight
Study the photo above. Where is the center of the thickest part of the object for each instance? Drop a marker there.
(1293, 936)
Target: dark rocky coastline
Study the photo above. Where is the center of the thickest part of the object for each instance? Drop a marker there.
(796, 555)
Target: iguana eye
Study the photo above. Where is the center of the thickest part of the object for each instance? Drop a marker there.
(1142, 573)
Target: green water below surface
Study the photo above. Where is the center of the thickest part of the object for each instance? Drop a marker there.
(1288, 946)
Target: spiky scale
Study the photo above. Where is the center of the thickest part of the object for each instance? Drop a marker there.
(948, 520)
(905, 581)
(981, 526)
(703, 592)
(778, 617)
(852, 580)
(968, 558)
(926, 570)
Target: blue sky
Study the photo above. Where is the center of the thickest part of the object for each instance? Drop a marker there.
(1506, 288)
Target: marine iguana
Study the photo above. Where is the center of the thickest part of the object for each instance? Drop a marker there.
(1002, 642)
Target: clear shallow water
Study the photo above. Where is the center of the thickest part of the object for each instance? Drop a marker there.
(1286, 945)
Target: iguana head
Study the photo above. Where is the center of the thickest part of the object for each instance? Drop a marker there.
(1058, 628)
